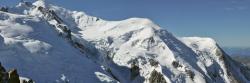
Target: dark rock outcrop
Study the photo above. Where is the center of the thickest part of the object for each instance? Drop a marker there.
(11, 76)
(176, 64)
(190, 74)
(156, 77)
(3, 75)
(4, 9)
(134, 71)
(153, 62)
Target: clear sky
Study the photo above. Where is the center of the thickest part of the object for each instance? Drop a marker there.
(227, 21)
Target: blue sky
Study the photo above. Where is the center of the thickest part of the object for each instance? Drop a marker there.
(227, 21)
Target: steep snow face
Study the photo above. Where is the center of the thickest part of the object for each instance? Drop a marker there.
(216, 60)
(140, 41)
(33, 47)
(134, 50)
(138, 45)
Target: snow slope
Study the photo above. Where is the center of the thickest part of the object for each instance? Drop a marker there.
(29, 44)
(48, 43)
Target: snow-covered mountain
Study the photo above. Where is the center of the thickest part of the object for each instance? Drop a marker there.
(51, 44)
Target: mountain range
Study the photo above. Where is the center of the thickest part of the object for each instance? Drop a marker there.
(237, 51)
(51, 44)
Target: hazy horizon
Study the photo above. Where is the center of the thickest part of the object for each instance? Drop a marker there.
(226, 21)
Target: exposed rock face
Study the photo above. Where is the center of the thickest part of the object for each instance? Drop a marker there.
(135, 71)
(153, 63)
(190, 74)
(3, 75)
(4, 9)
(176, 64)
(156, 77)
(11, 76)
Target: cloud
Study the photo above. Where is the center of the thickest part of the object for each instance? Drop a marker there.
(238, 5)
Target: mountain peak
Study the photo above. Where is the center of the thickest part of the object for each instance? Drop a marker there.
(70, 46)
(200, 43)
(41, 3)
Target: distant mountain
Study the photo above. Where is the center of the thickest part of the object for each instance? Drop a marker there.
(237, 51)
(51, 44)
(241, 55)
(243, 59)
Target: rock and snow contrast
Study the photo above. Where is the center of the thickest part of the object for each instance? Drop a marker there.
(51, 44)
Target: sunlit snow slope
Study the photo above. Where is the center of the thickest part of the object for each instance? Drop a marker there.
(29, 44)
(48, 43)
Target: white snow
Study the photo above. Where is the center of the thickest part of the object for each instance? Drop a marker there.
(32, 45)
(104, 78)
(41, 3)
(35, 46)
(200, 43)
(36, 50)
(23, 79)
(14, 29)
